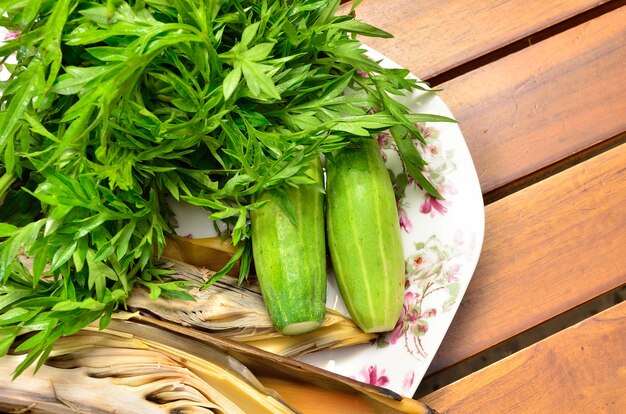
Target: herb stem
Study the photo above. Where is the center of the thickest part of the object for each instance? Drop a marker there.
(5, 182)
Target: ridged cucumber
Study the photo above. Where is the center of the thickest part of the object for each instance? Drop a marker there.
(289, 254)
(364, 236)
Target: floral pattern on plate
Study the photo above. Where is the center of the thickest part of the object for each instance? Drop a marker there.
(433, 268)
(442, 241)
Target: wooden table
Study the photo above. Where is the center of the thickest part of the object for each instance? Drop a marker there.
(539, 89)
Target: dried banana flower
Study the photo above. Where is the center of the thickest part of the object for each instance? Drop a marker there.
(238, 312)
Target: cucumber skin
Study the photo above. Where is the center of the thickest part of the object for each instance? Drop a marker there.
(364, 238)
(290, 260)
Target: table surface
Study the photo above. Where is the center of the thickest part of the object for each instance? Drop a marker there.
(539, 89)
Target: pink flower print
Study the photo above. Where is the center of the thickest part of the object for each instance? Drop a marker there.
(420, 324)
(383, 140)
(426, 131)
(447, 189)
(397, 332)
(422, 327)
(404, 320)
(431, 205)
(408, 380)
(6, 34)
(371, 376)
(435, 157)
(452, 272)
(459, 238)
(412, 316)
(405, 221)
(419, 262)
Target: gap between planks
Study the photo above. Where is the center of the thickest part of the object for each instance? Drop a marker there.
(533, 335)
(547, 234)
(554, 168)
(578, 370)
(525, 42)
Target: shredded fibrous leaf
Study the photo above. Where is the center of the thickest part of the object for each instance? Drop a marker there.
(238, 312)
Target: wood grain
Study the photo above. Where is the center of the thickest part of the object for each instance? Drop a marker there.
(547, 249)
(579, 370)
(544, 103)
(432, 36)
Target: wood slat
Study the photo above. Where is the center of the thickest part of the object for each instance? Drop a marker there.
(432, 36)
(544, 103)
(579, 370)
(547, 249)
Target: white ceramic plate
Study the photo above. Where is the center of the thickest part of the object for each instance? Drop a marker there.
(442, 242)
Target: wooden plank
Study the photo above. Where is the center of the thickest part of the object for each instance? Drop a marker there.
(579, 370)
(547, 249)
(544, 103)
(432, 36)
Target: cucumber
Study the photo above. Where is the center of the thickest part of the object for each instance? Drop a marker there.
(364, 236)
(289, 254)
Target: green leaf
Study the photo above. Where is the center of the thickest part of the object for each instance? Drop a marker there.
(248, 34)
(7, 337)
(38, 338)
(62, 255)
(7, 229)
(257, 53)
(10, 294)
(91, 304)
(351, 128)
(416, 118)
(123, 238)
(75, 79)
(281, 198)
(227, 268)
(355, 4)
(89, 224)
(99, 272)
(105, 319)
(258, 82)
(36, 302)
(15, 315)
(231, 81)
(80, 253)
(9, 249)
(55, 218)
(66, 305)
(411, 158)
(155, 291)
(19, 102)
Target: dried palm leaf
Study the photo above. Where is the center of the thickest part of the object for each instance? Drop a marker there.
(238, 312)
(104, 372)
(209, 252)
(280, 371)
(134, 367)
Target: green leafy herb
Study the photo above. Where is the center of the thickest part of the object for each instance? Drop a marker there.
(114, 106)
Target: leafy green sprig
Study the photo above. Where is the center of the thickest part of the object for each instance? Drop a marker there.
(115, 106)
